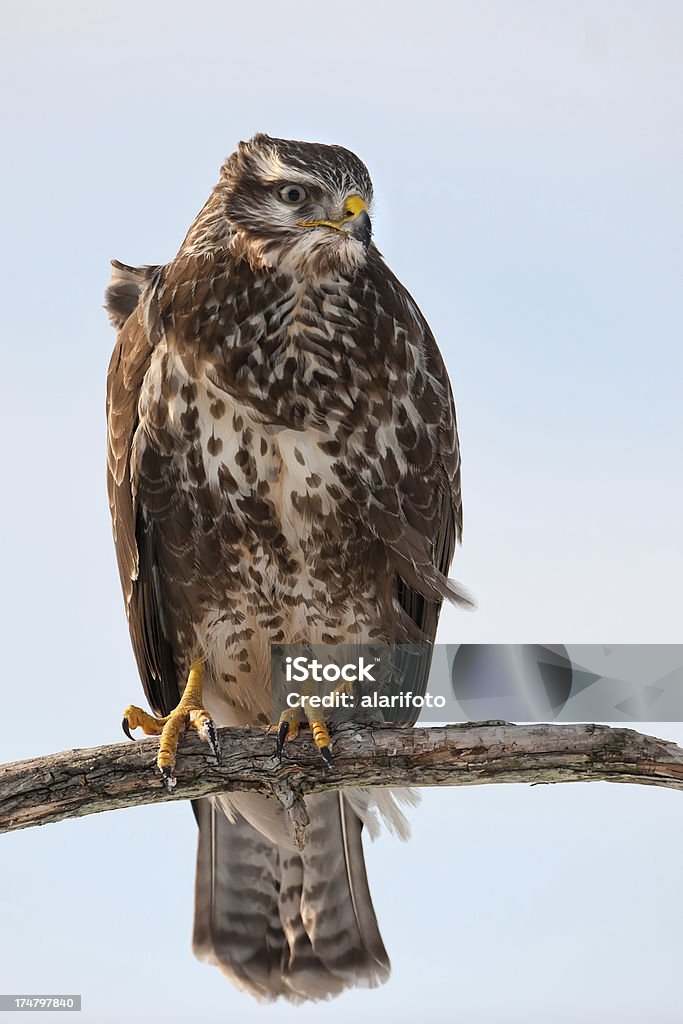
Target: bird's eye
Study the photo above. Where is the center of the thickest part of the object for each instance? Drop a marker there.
(293, 194)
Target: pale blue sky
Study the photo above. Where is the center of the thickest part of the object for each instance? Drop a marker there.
(527, 164)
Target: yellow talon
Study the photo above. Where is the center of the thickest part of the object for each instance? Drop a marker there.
(288, 729)
(321, 738)
(292, 716)
(136, 718)
(189, 712)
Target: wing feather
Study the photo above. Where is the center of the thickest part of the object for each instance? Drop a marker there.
(419, 516)
(128, 300)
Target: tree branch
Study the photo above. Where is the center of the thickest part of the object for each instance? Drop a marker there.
(78, 782)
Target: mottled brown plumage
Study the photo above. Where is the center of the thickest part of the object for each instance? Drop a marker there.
(283, 465)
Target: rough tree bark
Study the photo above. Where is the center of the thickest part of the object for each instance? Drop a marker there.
(78, 782)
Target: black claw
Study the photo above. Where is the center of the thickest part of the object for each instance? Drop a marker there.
(126, 729)
(327, 757)
(281, 737)
(167, 776)
(213, 739)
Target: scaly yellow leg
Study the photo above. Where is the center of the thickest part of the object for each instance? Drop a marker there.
(189, 712)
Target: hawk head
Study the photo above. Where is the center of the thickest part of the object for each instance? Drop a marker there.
(299, 206)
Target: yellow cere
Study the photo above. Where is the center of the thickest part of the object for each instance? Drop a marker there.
(354, 206)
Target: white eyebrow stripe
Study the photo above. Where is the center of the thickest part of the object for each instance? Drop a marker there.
(271, 168)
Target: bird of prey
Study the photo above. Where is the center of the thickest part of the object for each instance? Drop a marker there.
(283, 466)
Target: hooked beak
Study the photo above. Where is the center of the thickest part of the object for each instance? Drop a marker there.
(355, 222)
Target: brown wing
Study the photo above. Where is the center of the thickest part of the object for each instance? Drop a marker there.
(419, 515)
(128, 300)
(434, 496)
